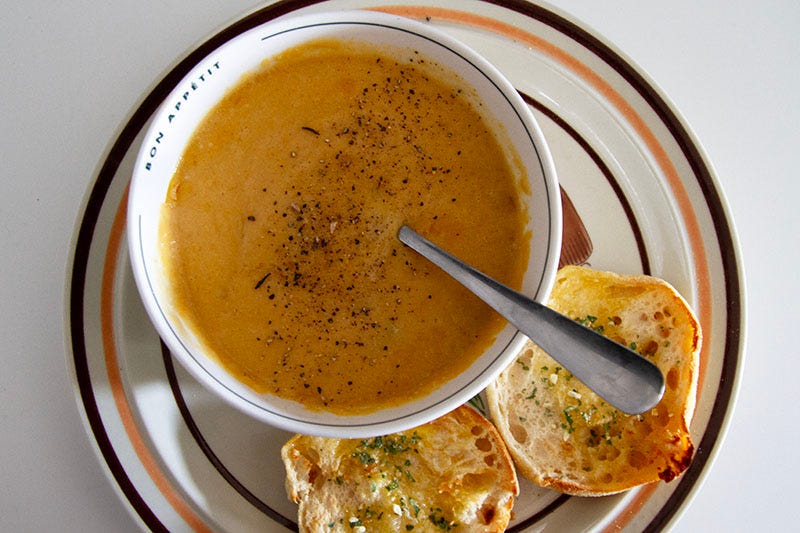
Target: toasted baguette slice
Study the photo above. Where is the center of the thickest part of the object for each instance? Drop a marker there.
(561, 434)
(454, 473)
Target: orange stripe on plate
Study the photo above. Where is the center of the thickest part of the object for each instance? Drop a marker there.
(704, 309)
(115, 380)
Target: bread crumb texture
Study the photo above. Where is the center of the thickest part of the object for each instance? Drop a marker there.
(561, 434)
(452, 474)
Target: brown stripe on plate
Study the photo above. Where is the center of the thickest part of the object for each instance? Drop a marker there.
(212, 457)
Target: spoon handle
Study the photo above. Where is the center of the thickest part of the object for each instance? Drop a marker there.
(620, 376)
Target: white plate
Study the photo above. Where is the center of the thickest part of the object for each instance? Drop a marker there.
(640, 184)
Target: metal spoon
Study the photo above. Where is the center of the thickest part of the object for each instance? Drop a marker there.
(620, 376)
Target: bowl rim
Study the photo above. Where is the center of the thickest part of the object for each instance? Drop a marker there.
(222, 383)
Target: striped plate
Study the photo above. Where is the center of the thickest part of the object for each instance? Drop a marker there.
(643, 199)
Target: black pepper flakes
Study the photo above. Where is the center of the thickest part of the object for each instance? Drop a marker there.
(262, 280)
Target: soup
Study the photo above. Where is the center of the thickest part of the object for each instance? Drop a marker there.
(279, 227)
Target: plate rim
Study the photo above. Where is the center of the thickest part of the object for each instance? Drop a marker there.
(690, 146)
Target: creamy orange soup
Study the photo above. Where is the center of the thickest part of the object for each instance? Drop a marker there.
(279, 227)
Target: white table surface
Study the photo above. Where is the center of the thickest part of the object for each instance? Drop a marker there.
(71, 71)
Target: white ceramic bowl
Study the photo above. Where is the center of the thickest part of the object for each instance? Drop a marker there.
(173, 125)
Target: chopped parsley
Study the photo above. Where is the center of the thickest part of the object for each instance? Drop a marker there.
(532, 395)
(569, 425)
(437, 519)
(364, 457)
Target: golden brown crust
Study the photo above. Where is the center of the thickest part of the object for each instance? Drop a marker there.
(560, 433)
(454, 472)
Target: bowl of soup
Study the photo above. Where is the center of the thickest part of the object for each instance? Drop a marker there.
(264, 208)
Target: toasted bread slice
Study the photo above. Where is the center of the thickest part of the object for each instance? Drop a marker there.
(454, 473)
(564, 436)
